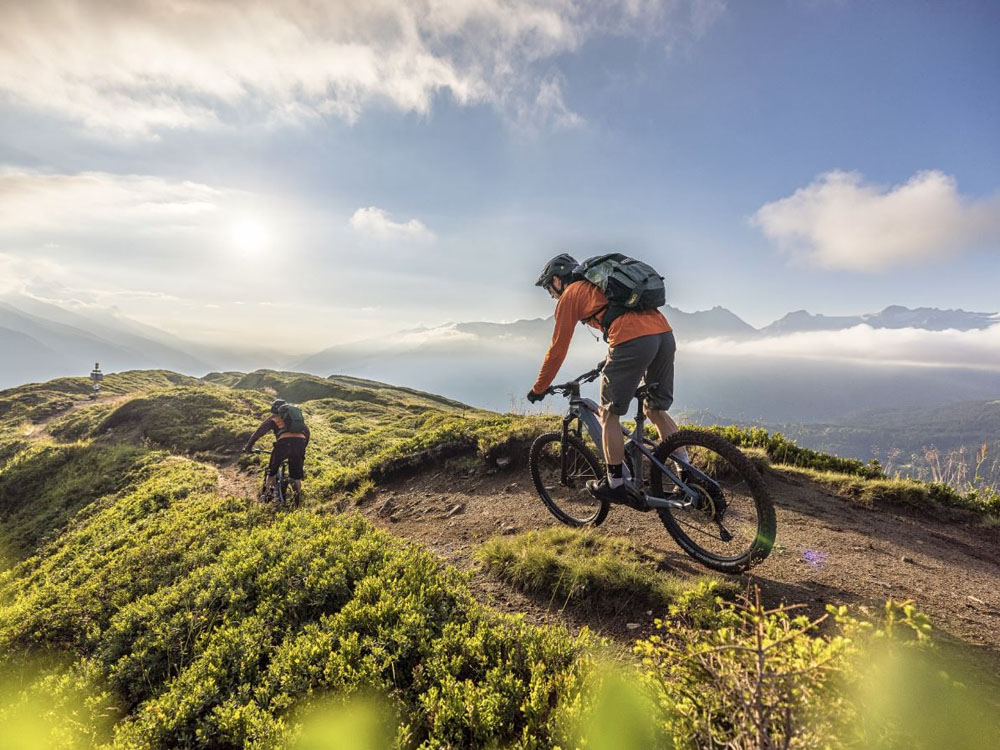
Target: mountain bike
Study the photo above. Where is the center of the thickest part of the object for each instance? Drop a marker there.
(714, 504)
(283, 492)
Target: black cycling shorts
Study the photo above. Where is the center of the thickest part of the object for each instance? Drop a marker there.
(294, 449)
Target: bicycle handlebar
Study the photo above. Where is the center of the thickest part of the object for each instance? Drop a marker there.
(587, 377)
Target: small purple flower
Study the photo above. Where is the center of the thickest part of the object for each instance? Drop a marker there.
(815, 558)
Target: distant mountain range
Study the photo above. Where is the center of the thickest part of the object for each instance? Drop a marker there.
(894, 316)
(40, 341)
(492, 365)
(715, 323)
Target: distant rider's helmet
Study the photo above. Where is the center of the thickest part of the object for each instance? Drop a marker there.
(277, 404)
(562, 266)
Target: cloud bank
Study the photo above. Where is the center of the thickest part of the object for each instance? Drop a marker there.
(35, 201)
(841, 222)
(374, 222)
(144, 66)
(979, 349)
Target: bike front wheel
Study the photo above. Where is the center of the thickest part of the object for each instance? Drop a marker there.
(732, 526)
(560, 471)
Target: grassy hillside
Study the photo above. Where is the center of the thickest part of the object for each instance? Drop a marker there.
(147, 604)
(194, 617)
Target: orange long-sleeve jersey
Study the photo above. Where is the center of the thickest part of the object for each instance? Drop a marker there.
(581, 301)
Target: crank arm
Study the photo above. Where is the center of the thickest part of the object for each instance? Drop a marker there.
(672, 502)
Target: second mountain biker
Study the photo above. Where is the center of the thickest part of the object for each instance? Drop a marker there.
(641, 345)
(291, 438)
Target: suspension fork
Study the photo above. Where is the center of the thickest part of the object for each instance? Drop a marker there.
(563, 453)
(571, 419)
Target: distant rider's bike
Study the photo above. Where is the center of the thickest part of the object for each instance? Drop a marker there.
(283, 492)
(714, 505)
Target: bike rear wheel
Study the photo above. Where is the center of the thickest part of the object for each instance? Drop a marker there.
(736, 503)
(564, 490)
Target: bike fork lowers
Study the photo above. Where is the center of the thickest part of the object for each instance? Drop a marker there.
(564, 453)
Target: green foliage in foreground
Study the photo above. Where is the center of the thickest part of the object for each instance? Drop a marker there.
(759, 678)
(49, 484)
(198, 620)
(569, 565)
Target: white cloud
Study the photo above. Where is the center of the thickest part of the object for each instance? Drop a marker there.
(145, 66)
(18, 275)
(374, 222)
(442, 335)
(978, 349)
(841, 222)
(70, 203)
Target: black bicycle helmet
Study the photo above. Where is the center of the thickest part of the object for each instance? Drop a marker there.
(562, 266)
(277, 404)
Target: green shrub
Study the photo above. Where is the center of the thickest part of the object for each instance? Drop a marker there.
(11, 446)
(564, 565)
(190, 419)
(34, 402)
(762, 678)
(80, 423)
(47, 486)
(214, 639)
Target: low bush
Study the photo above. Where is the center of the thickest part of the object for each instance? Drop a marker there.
(207, 624)
(190, 419)
(567, 565)
(768, 678)
(80, 423)
(48, 485)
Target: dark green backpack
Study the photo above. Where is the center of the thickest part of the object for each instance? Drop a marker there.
(291, 415)
(628, 283)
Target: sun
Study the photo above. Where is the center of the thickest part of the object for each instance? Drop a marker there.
(249, 235)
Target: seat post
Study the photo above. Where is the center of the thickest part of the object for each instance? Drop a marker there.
(640, 416)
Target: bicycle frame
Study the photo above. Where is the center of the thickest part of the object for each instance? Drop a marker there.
(585, 412)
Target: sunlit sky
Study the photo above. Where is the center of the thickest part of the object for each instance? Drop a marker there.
(302, 175)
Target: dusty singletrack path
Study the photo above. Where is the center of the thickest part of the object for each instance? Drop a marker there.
(829, 550)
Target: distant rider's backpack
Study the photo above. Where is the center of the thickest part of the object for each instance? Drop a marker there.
(628, 283)
(292, 417)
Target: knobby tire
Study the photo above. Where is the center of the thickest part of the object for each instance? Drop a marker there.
(579, 449)
(740, 467)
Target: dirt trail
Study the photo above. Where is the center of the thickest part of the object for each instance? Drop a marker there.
(829, 550)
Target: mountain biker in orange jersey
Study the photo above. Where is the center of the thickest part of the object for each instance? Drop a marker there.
(641, 345)
(290, 442)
